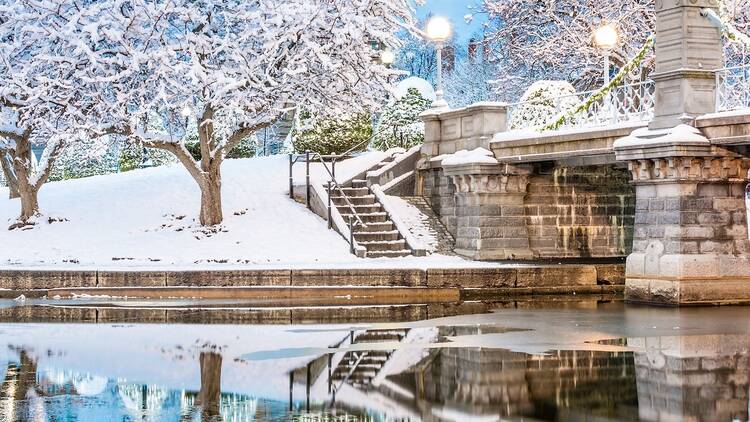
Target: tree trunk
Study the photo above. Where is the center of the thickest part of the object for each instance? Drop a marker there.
(10, 178)
(29, 201)
(13, 191)
(211, 211)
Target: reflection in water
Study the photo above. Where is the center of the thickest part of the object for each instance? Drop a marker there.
(468, 369)
(26, 395)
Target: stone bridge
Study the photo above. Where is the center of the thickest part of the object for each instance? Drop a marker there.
(668, 193)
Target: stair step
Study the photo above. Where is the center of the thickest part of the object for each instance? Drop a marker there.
(355, 200)
(375, 217)
(388, 254)
(371, 236)
(375, 227)
(387, 245)
(359, 183)
(351, 192)
(359, 209)
(367, 338)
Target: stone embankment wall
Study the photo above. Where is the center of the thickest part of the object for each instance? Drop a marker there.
(568, 212)
(580, 212)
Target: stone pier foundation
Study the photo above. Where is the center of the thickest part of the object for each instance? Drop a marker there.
(690, 239)
(490, 220)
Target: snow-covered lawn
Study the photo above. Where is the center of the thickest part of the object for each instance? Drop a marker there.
(147, 218)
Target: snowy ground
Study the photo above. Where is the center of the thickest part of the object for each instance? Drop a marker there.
(147, 218)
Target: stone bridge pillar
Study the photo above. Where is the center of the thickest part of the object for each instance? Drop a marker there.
(690, 243)
(448, 131)
(490, 216)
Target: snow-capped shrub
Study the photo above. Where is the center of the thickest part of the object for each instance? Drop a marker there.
(133, 156)
(331, 135)
(86, 157)
(245, 149)
(542, 102)
(399, 125)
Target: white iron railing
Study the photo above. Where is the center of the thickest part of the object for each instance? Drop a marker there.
(733, 88)
(623, 104)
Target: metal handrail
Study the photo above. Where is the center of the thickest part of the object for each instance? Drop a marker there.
(312, 156)
(337, 186)
(332, 185)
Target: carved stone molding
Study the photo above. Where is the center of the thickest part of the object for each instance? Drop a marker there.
(669, 4)
(491, 183)
(689, 168)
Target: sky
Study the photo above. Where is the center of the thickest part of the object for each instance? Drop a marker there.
(454, 10)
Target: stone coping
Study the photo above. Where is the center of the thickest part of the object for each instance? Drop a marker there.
(342, 281)
(525, 147)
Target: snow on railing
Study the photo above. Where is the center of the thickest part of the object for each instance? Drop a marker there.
(733, 88)
(623, 104)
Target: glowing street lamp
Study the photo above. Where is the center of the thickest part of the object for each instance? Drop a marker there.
(438, 31)
(387, 58)
(606, 38)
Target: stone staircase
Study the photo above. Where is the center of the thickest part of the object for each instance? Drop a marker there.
(379, 237)
(359, 368)
(444, 240)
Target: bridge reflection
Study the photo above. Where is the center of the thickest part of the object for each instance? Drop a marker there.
(697, 378)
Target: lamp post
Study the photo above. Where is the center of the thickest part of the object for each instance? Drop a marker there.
(606, 38)
(439, 30)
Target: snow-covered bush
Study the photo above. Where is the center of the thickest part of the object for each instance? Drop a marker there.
(399, 125)
(134, 155)
(87, 157)
(542, 102)
(331, 135)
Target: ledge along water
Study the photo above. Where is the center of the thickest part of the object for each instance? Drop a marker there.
(357, 286)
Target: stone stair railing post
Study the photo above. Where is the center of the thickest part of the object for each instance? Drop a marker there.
(448, 131)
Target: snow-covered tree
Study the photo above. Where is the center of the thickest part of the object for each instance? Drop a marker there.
(28, 118)
(542, 102)
(542, 40)
(233, 66)
(400, 125)
(538, 40)
(469, 81)
(134, 155)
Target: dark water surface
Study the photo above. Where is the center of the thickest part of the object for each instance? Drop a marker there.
(552, 360)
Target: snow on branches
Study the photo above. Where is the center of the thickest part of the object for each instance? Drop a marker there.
(233, 66)
(541, 39)
(28, 118)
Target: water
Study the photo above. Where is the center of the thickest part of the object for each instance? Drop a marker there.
(557, 360)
